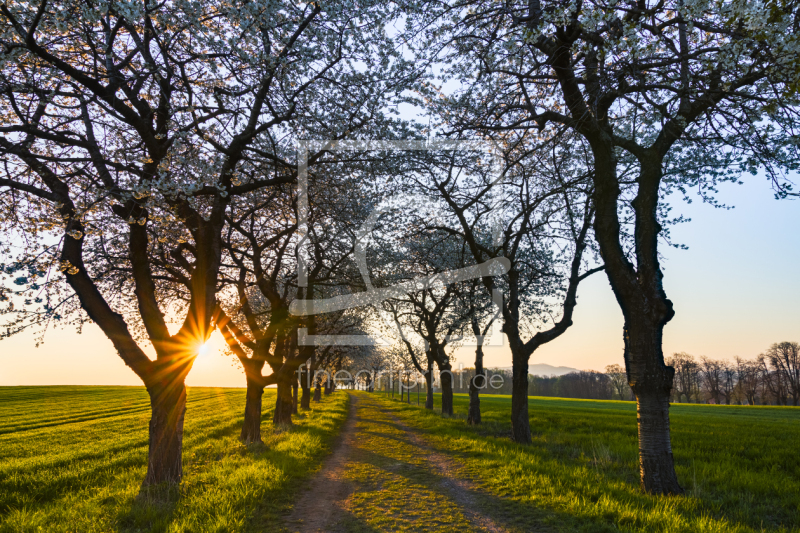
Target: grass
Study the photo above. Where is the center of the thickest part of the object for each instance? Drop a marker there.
(73, 459)
(740, 466)
(394, 486)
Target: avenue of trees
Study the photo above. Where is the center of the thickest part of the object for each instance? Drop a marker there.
(152, 185)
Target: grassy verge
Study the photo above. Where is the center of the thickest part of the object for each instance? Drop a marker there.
(739, 465)
(73, 458)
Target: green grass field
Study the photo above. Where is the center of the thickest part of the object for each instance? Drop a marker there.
(73, 459)
(739, 465)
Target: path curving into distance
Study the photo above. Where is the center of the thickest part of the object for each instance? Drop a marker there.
(382, 476)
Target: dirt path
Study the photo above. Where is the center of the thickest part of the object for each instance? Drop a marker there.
(460, 489)
(382, 476)
(321, 505)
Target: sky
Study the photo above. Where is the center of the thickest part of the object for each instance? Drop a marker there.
(736, 290)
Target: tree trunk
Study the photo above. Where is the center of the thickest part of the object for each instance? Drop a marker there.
(657, 468)
(651, 382)
(446, 379)
(294, 396)
(318, 392)
(283, 405)
(478, 381)
(168, 407)
(305, 399)
(474, 412)
(251, 427)
(520, 421)
(429, 388)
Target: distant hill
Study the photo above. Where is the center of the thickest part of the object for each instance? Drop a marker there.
(542, 369)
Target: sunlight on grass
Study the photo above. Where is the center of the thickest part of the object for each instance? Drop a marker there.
(739, 465)
(73, 459)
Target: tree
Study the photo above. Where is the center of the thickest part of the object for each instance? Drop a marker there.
(667, 95)
(437, 315)
(728, 385)
(540, 237)
(748, 378)
(262, 247)
(712, 378)
(480, 322)
(258, 244)
(619, 381)
(585, 384)
(687, 383)
(785, 360)
(127, 129)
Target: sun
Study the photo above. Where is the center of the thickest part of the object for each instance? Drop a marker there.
(204, 349)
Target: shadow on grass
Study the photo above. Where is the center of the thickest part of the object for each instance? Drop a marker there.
(397, 474)
(350, 523)
(604, 495)
(151, 510)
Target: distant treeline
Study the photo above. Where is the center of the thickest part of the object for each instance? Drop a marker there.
(772, 378)
(586, 384)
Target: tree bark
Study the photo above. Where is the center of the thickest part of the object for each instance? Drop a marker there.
(446, 379)
(429, 388)
(475, 384)
(318, 392)
(657, 468)
(168, 407)
(283, 405)
(520, 421)
(644, 304)
(251, 427)
(294, 396)
(305, 399)
(651, 381)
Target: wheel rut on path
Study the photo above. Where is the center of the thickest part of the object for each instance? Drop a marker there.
(460, 489)
(383, 476)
